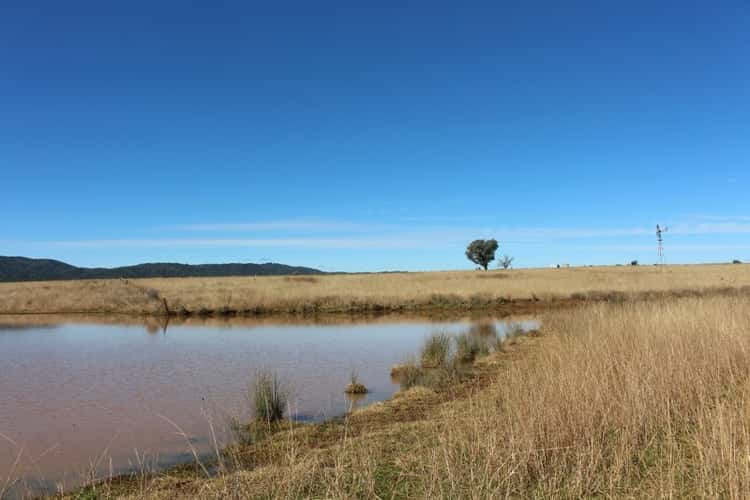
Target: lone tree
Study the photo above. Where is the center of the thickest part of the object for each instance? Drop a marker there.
(506, 261)
(481, 252)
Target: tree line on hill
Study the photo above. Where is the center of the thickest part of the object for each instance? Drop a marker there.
(26, 269)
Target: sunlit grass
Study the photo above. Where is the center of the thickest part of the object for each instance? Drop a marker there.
(644, 400)
(367, 292)
(436, 350)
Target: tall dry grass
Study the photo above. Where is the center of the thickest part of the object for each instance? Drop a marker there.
(363, 292)
(633, 400)
(644, 400)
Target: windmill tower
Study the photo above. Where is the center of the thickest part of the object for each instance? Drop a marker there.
(660, 242)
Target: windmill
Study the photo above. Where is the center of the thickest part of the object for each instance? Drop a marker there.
(660, 242)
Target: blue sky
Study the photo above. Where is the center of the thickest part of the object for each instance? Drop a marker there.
(353, 137)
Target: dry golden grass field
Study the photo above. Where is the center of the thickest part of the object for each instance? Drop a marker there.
(613, 398)
(629, 400)
(364, 292)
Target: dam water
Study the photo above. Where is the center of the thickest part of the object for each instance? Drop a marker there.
(86, 398)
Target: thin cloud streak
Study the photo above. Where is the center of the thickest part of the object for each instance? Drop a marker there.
(399, 236)
(239, 243)
(304, 224)
(724, 218)
(670, 248)
(712, 228)
(429, 238)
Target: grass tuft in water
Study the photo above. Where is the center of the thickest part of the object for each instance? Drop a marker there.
(355, 386)
(412, 375)
(436, 350)
(408, 375)
(470, 347)
(269, 397)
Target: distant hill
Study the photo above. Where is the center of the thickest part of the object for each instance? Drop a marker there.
(25, 269)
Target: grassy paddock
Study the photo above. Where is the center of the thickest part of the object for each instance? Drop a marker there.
(465, 290)
(638, 400)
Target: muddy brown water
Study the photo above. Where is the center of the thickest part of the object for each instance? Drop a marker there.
(82, 399)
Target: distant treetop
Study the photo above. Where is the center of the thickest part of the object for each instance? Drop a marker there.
(482, 252)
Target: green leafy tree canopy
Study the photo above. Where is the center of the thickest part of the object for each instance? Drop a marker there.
(482, 252)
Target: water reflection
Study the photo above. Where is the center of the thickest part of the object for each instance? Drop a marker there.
(77, 393)
(484, 329)
(356, 401)
(157, 325)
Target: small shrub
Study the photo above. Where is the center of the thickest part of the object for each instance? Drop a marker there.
(269, 397)
(736, 261)
(436, 350)
(355, 386)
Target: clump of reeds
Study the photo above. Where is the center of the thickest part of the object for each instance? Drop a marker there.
(355, 386)
(436, 350)
(398, 369)
(470, 347)
(438, 365)
(432, 378)
(269, 397)
(413, 374)
(407, 374)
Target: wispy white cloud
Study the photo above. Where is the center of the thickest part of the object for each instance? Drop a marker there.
(430, 238)
(444, 218)
(321, 225)
(670, 248)
(446, 225)
(712, 228)
(315, 232)
(302, 224)
(723, 218)
(351, 242)
(572, 233)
